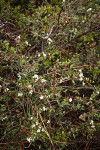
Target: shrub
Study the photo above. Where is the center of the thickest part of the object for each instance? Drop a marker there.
(49, 83)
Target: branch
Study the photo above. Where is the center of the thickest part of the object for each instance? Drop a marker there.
(59, 14)
(78, 88)
(47, 36)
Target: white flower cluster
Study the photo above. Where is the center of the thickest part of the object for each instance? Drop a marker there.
(36, 77)
(35, 124)
(49, 40)
(20, 94)
(6, 89)
(4, 118)
(38, 127)
(44, 108)
(30, 91)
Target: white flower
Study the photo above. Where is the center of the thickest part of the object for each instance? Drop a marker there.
(87, 79)
(19, 76)
(39, 54)
(61, 80)
(20, 94)
(41, 97)
(38, 131)
(26, 42)
(31, 118)
(30, 86)
(92, 122)
(81, 75)
(83, 21)
(29, 139)
(49, 40)
(44, 54)
(43, 129)
(63, 1)
(70, 99)
(97, 92)
(81, 79)
(89, 9)
(33, 125)
(0, 86)
(44, 109)
(37, 123)
(30, 92)
(17, 38)
(48, 121)
(80, 70)
(40, 127)
(6, 90)
(83, 83)
(48, 96)
(36, 77)
(43, 80)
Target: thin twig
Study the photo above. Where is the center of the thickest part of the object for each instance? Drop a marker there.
(47, 36)
(78, 88)
(46, 130)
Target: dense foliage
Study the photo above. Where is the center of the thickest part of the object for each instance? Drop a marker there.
(49, 74)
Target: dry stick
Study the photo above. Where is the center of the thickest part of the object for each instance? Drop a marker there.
(47, 36)
(46, 129)
(78, 88)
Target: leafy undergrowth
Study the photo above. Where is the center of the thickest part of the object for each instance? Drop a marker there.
(49, 76)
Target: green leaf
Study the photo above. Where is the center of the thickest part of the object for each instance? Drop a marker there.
(47, 63)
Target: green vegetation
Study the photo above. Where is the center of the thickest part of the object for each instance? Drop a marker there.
(49, 74)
